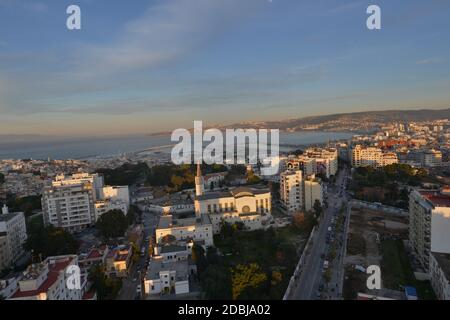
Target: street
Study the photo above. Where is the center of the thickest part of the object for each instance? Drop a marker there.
(311, 279)
(137, 270)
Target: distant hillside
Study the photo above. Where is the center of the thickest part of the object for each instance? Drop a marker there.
(350, 121)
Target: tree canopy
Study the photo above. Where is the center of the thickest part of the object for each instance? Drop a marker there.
(112, 224)
(50, 241)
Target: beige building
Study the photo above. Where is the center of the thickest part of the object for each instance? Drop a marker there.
(432, 158)
(372, 157)
(313, 193)
(326, 160)
(13, 234)
(291, 190)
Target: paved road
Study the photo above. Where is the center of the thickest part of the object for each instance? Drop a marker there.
(137, 270)
(311, 275)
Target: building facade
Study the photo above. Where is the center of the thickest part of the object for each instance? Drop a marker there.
(13, 234)
(251, 206)
(76, 202)
(429, 223)
(291, 190)
(372, 157)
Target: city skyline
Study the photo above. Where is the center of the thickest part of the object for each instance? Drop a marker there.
(158, 65)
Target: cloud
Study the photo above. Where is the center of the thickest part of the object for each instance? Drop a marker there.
(429, 61)
(165, 32)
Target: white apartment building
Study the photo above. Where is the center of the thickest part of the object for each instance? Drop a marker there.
(48, 281)
(307, 165)
(326, 160)
(291, 191)
(440, 274)
(298, 193)
(13, 234)
(372, 157)
(197, 229)
(69, 206)
(429, 223)
(76, 202)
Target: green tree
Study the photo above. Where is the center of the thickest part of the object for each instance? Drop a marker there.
(198, 257)
(25, 204)
(216, 282)
(318, 210)
(247, 280)
(112, 224)
(50, 241)
(106, 288)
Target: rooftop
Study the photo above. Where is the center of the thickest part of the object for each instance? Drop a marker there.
(156, 266)
(169, 221)
(52, 276)
(436, 197)
(236, 193)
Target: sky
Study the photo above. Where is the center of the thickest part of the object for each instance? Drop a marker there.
(148, 66)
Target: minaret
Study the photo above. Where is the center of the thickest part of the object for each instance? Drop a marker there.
(199, 182)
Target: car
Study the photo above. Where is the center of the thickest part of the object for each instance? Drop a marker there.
(138, 289)
(325, 264)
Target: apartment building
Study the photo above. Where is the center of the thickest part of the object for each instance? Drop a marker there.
(307, 165)
(76, 202)
(13, 234)
(372, 157)
(432, 158)
(313, 192)
(440, 274)
(69, 206)
(326, 160)
(291, 191)
(299, 193)
(48, 281)
(429, 223)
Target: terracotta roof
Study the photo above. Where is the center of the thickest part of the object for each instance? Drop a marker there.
(52, 277)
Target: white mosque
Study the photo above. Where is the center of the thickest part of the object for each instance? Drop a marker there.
(249, 205)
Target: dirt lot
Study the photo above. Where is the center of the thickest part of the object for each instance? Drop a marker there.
(367, 230)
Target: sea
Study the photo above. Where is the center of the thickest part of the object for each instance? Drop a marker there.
(92, 148)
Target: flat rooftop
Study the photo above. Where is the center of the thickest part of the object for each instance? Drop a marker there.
(169, 221)
(156, 266)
